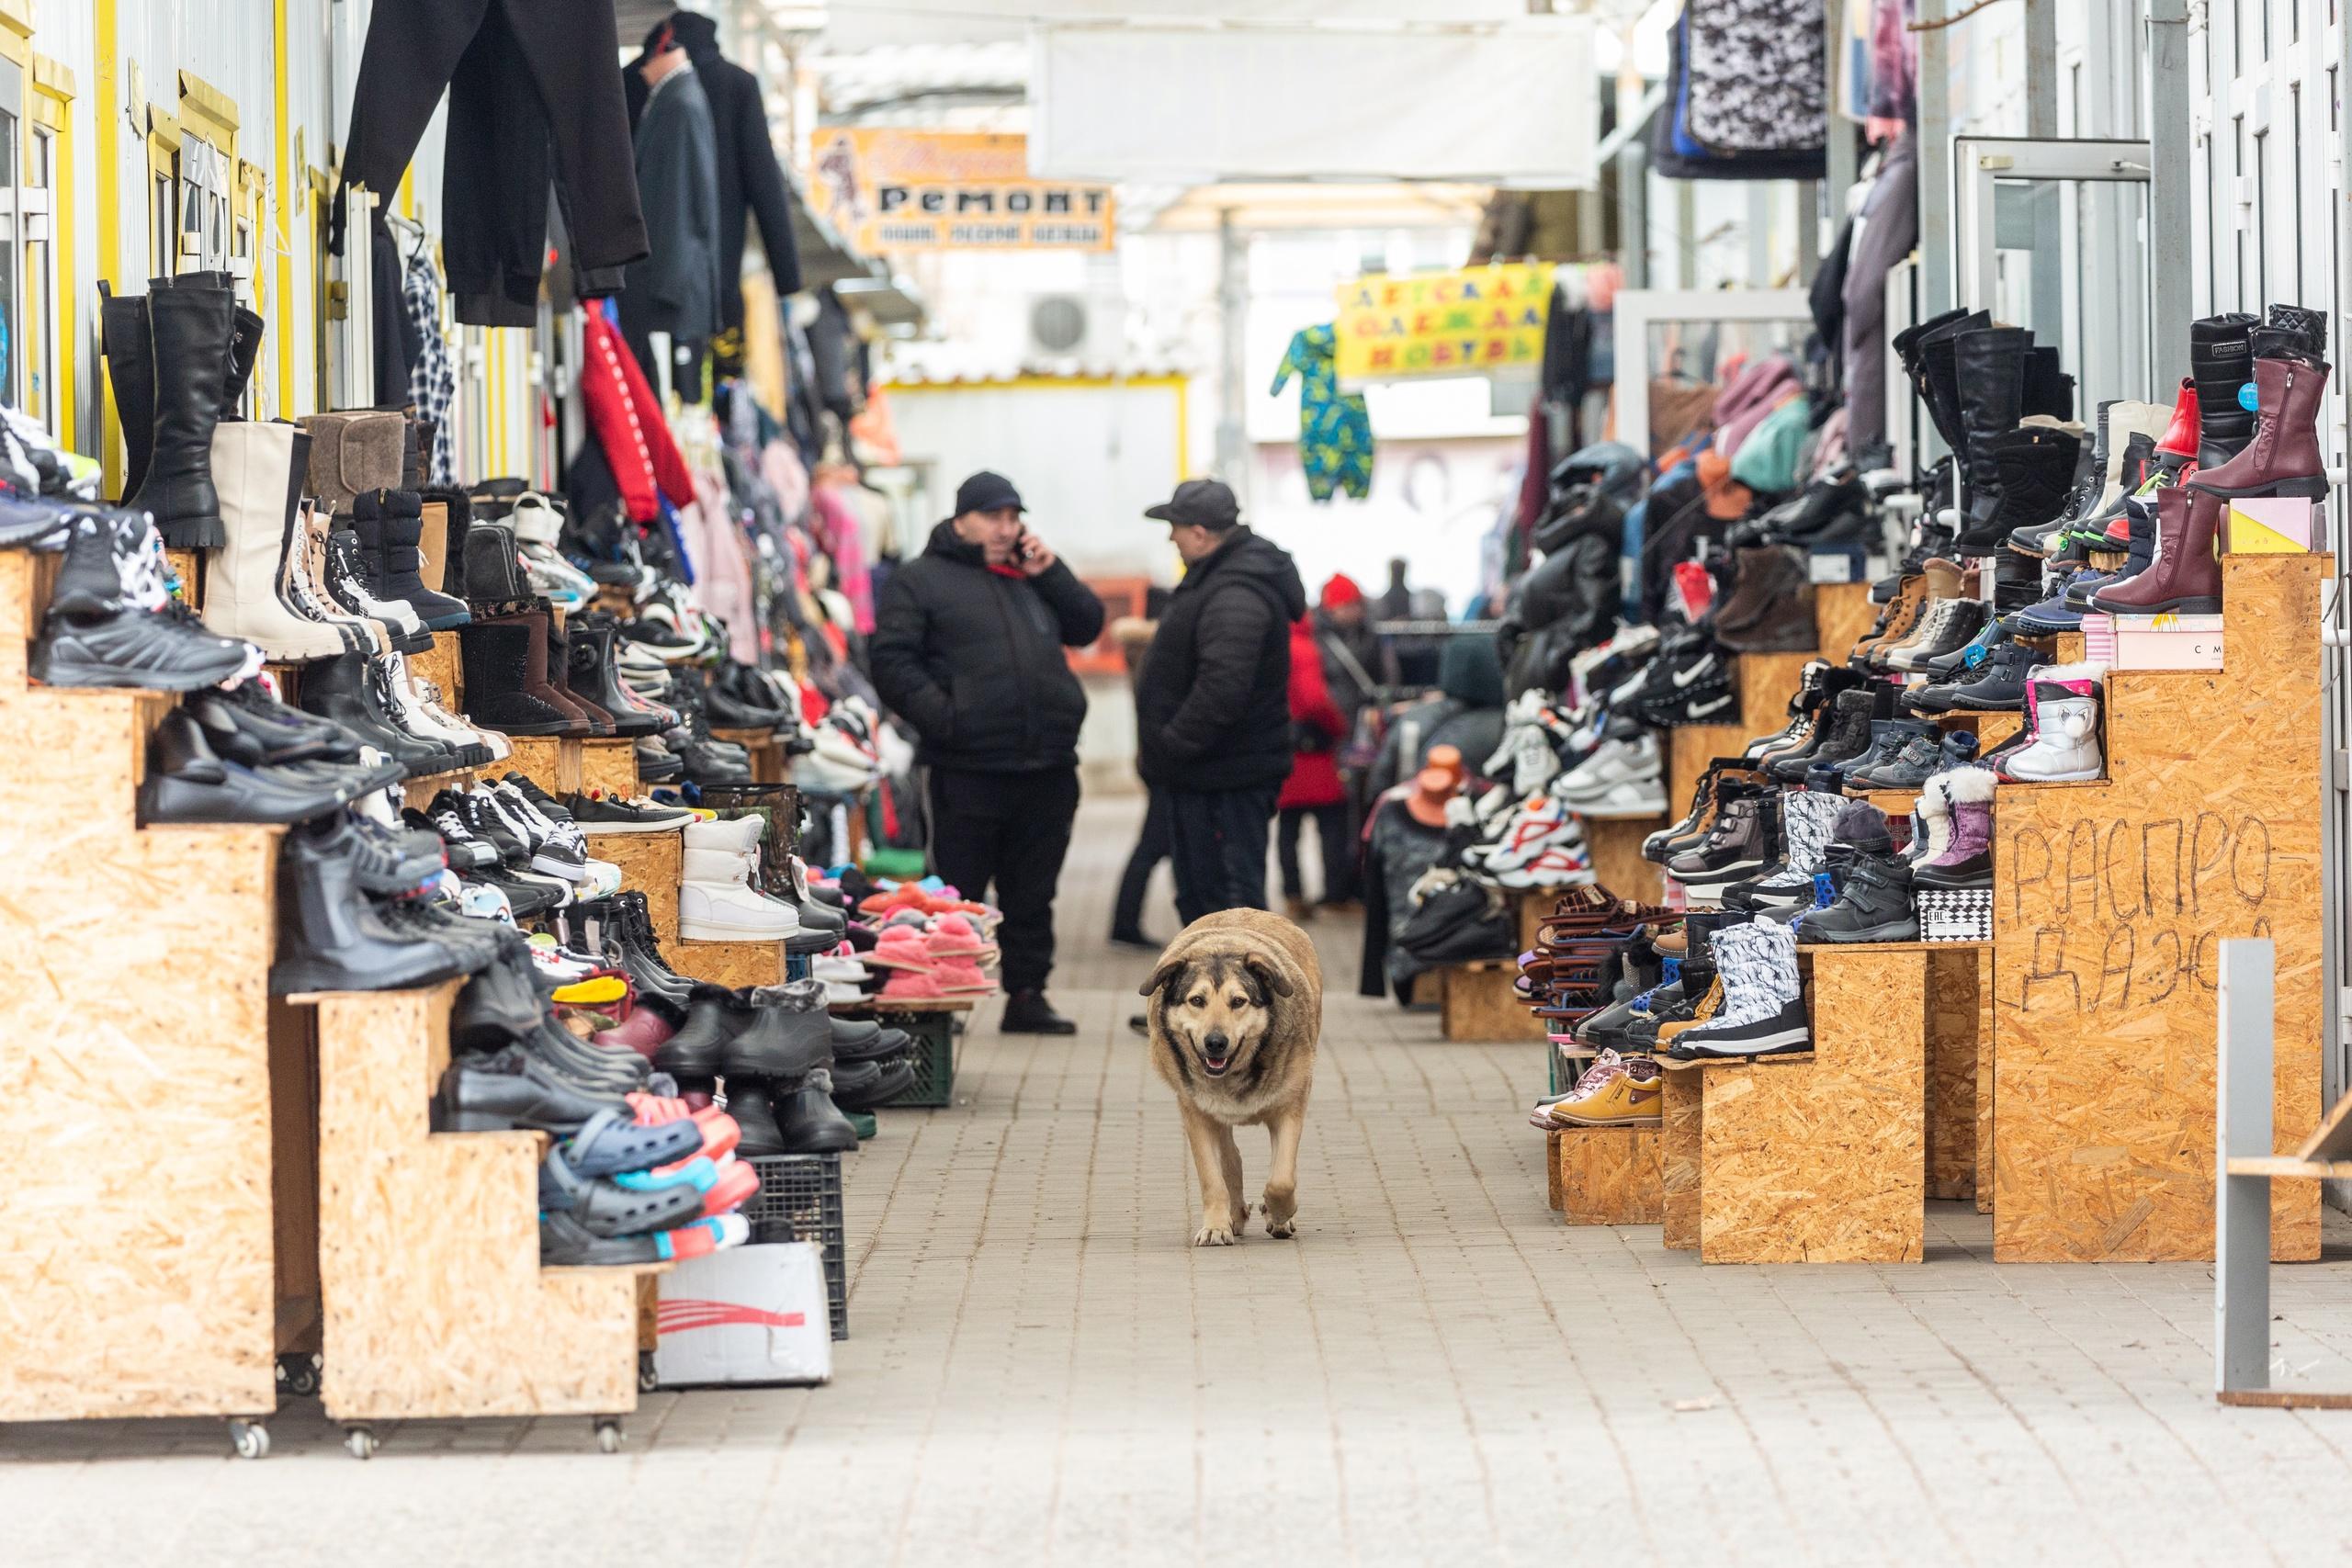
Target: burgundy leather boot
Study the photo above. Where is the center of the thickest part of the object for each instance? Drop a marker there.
(2283, 459)
(2186, 577)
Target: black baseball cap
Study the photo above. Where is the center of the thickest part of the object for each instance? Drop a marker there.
(1206, 504)
(984, 492)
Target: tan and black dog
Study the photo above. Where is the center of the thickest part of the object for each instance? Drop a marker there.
(1237, 1006)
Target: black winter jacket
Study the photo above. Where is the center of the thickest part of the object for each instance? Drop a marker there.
(749, 176)
(973, 659)
(1213, 701)
(1569, 602)
(676, 289)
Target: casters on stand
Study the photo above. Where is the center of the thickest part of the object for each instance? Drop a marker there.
(646, 1382)
(608, 1435)
(360, 1441)
(298, 1375)
(251, 1438)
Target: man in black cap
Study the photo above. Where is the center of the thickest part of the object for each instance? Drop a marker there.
(1212, 703)
(968, 648)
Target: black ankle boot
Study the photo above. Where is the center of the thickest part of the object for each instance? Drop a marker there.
(342, 689)
(329, 938)
(1028, 1013)
(590, 675)
(499, 696)
(190, 332)
(390, 524)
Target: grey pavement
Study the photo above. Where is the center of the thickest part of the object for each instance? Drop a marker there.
(1042, 1371)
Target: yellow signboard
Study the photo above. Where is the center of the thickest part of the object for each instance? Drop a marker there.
(1442, 323)
(887, 188)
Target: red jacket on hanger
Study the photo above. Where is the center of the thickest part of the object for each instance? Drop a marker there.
(630, 424)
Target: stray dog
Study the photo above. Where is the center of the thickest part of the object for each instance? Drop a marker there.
(1237, 1006)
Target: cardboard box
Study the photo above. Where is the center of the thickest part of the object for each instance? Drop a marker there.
(2270, 525)
(752, 1315)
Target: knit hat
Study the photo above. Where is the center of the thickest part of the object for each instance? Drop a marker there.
(1341, 592)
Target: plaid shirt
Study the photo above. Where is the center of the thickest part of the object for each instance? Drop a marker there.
(432, 381)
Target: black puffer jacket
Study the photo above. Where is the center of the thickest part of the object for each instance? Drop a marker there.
(1213, 702)
(1569, 602)
(973, 659)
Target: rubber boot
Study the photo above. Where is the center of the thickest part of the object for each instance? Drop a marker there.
(590, 674)
(2185, 431)
(257, 469)
(1989, 368)
(190, 331)
(809, 1121)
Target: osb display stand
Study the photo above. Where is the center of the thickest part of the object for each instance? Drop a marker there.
(1616, 850)
(1842, 616)
(1822, 1158)
(442, 667)
(137, 1276)
(1609, 1175)
(650, 863)
(733, 964)
(1479, 1002)
(1765, 683)
(1682, 1111)
(549, 762)
(608, 766)
(1959, 1061)
(435, 1304)
(2112, 901)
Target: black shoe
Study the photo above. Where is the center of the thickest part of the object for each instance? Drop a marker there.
(1133, 937)
(751, 1103)
(1873, 904)
(1028, 1013)
(186, 782)
(1140, 1023)
(498, 1093)
(329, 937)
(812, 1123)
(98, 634)
(889, 1080)
(695, 1050)
(777, 1043)
(596, 815)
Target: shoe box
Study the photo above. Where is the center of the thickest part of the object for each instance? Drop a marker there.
(2274, 526)
(1955, 914)
(2153, 642)
(750, 1314)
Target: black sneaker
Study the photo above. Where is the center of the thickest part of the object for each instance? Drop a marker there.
(594, 813)
(1028, 1013)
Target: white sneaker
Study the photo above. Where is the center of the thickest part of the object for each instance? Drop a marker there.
(1615, 762)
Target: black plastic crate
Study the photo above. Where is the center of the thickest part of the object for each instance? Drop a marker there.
(801, 1200)
(935, 1058)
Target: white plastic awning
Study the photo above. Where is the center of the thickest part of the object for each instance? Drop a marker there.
(1494, 102)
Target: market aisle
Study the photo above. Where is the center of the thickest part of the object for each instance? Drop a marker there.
(1435, 1371)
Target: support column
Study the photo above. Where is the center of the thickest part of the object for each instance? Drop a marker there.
(2170, 177)
(1233, 322)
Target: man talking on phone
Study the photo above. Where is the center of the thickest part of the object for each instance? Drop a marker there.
(968, 648)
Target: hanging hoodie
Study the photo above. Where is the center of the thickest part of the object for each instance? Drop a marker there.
(1334, 429)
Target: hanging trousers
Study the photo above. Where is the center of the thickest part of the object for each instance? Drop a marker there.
(535, 98)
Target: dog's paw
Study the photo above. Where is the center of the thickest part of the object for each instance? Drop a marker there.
(1213, 1235)
(1282, 1229)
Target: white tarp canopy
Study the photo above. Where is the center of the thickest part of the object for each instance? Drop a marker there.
(1495, 102)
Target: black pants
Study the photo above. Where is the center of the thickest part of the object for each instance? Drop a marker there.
(535, 98)
(1339, 846)
(1220, 848)
(1154, 844)
(1009, 830)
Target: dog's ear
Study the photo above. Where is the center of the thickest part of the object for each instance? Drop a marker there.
(1268, 975)
(1169, 972)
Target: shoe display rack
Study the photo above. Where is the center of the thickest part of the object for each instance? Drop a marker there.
(1478, 1000)
(434, 1303)
(1606, 1175)
(2111, 902)
(733, 964)
(932, 1028)
(137, 1247)
(650, 863)
(767, 752)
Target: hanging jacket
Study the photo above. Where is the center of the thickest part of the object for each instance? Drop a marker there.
(750, 179)
(971, 656)
(675, 288)
(630, 431)
(1212, 700)
(1316, 725)
(1568, 603)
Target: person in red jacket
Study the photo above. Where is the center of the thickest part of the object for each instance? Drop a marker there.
(1314, 788)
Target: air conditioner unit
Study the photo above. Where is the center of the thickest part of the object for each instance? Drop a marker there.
(1075, 329)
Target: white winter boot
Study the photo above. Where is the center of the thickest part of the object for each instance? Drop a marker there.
(258, 466)
(2063, 700)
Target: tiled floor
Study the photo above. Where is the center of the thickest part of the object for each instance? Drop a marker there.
(1434, 1372)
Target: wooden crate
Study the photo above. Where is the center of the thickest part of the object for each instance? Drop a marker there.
(138, 1273)
(1822, 1158)
(1552, 1171)
(2113, 898)
(1610, 1175)
(1617, 862)
(1479, 1003)
(1960, 1041)
(734, 965)
(650, 863)
(1683, 1116)
(433, 1301)
(609, 764)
